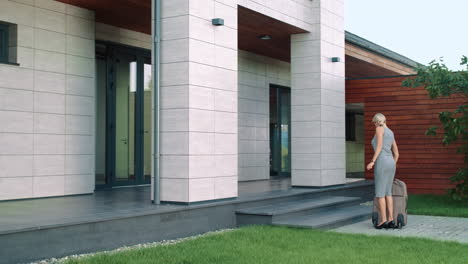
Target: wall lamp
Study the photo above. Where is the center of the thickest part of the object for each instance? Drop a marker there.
(217, 21)
(335, 59)
(264, 37)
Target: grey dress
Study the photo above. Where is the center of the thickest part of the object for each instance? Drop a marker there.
(384, 167)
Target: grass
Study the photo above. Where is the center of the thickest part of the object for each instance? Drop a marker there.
(267, 244)
(442, 205)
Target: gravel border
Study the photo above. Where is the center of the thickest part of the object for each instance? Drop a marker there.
(127, 248)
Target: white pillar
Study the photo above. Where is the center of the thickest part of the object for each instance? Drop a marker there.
(318, 99)
(198, 101)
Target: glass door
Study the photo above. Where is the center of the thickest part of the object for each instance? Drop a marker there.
(124, 105)
(280, 131)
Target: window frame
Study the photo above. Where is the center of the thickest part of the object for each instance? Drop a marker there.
(4, 45)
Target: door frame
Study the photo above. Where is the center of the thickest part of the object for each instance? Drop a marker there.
(142, 56)
(278, 89)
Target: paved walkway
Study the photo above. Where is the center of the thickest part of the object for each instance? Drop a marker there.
(433, 227)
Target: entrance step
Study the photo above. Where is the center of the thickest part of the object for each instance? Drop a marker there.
(284, 211)
(329, 219)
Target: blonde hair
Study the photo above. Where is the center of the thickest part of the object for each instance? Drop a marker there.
(379, 119)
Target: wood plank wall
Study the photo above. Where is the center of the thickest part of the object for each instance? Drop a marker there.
(425, 164)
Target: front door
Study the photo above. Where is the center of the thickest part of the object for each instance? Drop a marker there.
(280, 131)
(124, 86)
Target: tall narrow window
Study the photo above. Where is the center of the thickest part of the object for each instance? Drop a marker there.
(4, 43)
(350, 126)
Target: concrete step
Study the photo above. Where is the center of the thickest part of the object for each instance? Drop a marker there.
(329, 219)
(362, 189)
(266, 214)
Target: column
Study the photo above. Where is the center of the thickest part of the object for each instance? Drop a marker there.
(318, 99)
(198, 132)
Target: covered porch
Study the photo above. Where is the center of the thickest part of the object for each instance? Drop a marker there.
(215, 126)
(255, 97)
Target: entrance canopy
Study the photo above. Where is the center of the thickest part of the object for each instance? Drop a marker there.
(363, 58)
(130, 14)
(253, 26)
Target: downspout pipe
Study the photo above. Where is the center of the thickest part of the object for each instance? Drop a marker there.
(155, 57)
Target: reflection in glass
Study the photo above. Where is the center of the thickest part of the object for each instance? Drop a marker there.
(274, 133)
(285, 133)
(148, 121)
(100, 157)
(125, 118)
(280, 131)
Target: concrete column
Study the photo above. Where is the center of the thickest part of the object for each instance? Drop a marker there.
(198, 101)
(318, 99)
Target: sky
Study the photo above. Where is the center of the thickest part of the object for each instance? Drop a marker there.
(422, 30)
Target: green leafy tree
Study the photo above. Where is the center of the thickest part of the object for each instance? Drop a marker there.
(441, 82)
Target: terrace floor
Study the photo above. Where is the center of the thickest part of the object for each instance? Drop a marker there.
(32, 214)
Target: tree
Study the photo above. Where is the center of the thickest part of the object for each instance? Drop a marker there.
(439, 81)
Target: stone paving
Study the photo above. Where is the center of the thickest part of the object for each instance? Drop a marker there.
(433, 227)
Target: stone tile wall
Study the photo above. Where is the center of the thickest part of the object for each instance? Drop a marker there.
(47, 102)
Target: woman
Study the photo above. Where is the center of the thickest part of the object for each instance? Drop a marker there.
(385, 159)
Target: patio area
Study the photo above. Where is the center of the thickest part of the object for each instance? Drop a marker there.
(33, 214)
(118, 217)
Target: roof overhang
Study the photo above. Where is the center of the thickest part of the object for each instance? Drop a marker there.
(363, 43)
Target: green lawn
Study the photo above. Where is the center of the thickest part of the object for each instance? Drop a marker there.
(266, 244)
(442, 205)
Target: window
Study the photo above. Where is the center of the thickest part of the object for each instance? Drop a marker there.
(350, 126)
(4, 34)
(8, 43)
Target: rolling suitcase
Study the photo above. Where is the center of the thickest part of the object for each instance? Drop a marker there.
(400, 200)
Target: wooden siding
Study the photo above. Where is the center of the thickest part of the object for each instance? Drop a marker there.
(425, 164)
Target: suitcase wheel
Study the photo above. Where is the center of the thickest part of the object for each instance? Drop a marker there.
(401, 221)
(375, 218)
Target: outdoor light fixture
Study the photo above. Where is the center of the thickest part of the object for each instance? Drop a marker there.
(264, 37)
(335, 59)
(217, 22)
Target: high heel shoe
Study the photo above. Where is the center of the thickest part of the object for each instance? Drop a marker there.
(391, 224)
(382, 225)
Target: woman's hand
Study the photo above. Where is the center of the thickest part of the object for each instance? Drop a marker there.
(370, 165)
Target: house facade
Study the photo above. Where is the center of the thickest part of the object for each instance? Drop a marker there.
(244, 90)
